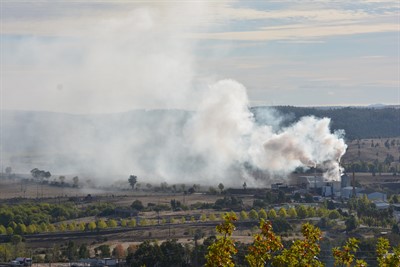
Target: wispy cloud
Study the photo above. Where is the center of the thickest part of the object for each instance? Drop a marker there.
(307, 21)
(295, 31)
(267, 45)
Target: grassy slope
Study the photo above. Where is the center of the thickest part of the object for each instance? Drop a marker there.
(370, 153)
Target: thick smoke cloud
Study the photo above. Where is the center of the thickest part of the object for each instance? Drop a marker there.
(221, 124)
(144, 60)
(218, 141)
(138, 56)
(224, 131)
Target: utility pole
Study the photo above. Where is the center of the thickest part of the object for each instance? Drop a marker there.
(354, 185)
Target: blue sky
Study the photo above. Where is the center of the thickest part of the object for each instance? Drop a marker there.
(109, 56)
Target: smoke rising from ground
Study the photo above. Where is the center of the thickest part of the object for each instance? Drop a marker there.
(224, 131)
(144, 60)
(218, 141)
(138, 56)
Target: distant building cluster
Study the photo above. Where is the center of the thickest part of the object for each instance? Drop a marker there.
(318, 185)
(320, 188)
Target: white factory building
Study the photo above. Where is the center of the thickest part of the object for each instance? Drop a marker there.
(342, 188)
(319, 184)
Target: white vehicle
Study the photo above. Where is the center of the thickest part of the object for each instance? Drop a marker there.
(15, 263)
(24, 261)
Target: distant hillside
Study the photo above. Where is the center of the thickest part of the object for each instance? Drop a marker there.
(359, 123)
(377, 150)
(82, 143)
(70, 143)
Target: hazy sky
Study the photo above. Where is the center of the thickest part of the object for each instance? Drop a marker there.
(109, 56)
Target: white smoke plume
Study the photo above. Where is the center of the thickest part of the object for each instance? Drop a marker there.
(221, 124)
(224, 130)
(143, 60)
(218, 141)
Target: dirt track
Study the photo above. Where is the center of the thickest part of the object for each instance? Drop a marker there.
(136, 234)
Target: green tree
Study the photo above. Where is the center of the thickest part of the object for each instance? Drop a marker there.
(62, 179)
(253, 214)
(132, 223)
(43, 227)
(292, 213)
(8, 171)
(13, 225)
(51, 228)
(62, 227)
(221, 187)
(334, 214)
(220, 252)
(147, 254)
(351, 223)
(91, 226)
(272, 214)
(103, 251)
(311, 212)
(31, 229)
(101, 224)
(304, 252)
(132, 181)
(71, 226)
(264, 246)
(83, 251)
(301, 212)
(5, 252)
(281, 225)
(262, 214)
(395, 229)
(20, 229)
(112, 223)
(243, 215)
(173, 253)
(137, 205)
(143, 222)
(16, 239)
(344, 256)
(212, 217)
(80, 226)
(282, 213)
(385, 258)
(75, 182)
(71, 251)
(321, 212)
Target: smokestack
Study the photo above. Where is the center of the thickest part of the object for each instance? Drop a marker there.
(315, 177)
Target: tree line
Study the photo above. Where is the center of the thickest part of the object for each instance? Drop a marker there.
(268, 249)
(358, 123)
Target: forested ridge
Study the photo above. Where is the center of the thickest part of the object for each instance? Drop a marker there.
(358, 123)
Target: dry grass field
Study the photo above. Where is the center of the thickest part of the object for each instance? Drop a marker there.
(10, 189)
(23, 190)
(15, 188)
(369, 150)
